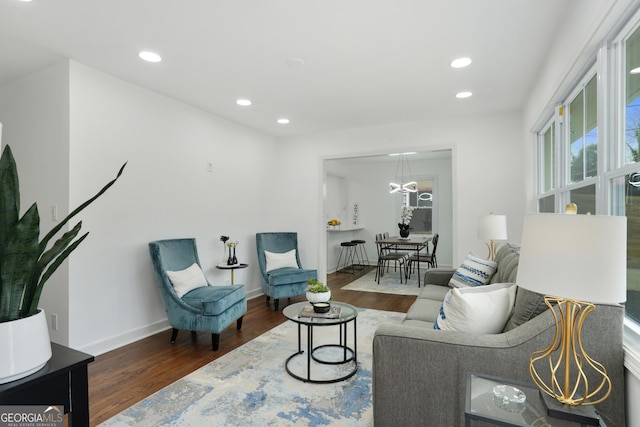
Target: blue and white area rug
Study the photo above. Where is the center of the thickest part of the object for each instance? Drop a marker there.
(250, 387)
(389, 283)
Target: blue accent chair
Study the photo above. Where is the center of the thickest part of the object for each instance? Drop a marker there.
(208, 308)
(284, 282)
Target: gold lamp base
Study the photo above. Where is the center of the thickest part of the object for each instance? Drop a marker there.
(493, 249)
(567, 362)
(585, 415)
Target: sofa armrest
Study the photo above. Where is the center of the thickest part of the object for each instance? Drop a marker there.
(420, 374)
(438, 276)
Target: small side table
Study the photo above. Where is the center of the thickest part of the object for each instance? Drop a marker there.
(347, 357)
(480, 405)
(233, 268)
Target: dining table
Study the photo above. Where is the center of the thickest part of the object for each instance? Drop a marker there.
(414, 242)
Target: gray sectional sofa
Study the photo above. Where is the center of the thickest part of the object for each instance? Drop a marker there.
(420, 374)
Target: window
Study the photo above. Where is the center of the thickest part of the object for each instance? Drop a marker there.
(597, 156)
(546, 204)
(422, 200)
(585, 198)
(626, 201)
(549, 158)
(575, 172)
(583, 133)
(632, 97)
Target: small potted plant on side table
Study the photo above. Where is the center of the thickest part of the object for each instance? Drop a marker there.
(318, 293)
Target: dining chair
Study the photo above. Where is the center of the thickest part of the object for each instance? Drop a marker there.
(392, 248)
(385, 255)
(428, 258)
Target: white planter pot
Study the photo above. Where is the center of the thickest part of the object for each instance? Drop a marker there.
(25, 347)
(319, 297)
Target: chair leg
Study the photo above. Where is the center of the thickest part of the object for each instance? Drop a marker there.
(239, 323)
(268, 298)
(276, 304)
(215, 341)
(174, 334)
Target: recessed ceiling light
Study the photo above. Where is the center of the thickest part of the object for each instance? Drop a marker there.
(149, 56)
(283, 121)
(460, 63)
(244, 102)
(635, 71)
(408, 153)
(462, 95)
(295, 62)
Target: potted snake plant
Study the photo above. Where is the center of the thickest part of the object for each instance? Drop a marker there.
(26, 263)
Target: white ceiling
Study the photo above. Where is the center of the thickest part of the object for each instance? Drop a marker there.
(366, 62)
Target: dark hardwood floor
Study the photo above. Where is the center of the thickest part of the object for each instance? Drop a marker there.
(123, 377)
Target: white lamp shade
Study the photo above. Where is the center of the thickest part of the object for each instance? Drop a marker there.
(492, 227)
(579, 257)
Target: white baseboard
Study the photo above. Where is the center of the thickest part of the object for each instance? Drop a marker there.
(99, 347)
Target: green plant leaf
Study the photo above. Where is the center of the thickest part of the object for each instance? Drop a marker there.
(17, 265)
(31, 290)
(52, 268)
(9, 197)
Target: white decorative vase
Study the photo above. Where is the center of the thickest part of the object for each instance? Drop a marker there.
(318, 297)
(25, 347)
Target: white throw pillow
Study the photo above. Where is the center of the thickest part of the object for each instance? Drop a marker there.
(277, 260)
(477, 310)
(474, 271)
(187, 280)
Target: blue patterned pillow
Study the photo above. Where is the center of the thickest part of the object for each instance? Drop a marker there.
(473, 271)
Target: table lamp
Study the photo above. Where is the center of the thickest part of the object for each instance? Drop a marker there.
(576, 261)
(491, 228)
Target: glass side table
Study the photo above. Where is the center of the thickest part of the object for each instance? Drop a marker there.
(345, 358)
(482, 405)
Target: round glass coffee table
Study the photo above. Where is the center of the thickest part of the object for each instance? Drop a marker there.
(339, 355)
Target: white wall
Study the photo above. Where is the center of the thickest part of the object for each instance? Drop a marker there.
(166, 192)
(483, 181)
(35, 116)
(72, 128)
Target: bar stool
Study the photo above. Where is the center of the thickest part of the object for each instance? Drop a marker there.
(363, 250)
(350, 253)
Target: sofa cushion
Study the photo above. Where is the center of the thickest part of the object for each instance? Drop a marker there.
(187, 280)
(477, 310)
(507, 259)
(527, 306)
(287, 276)
(434, 292)
(474, 271)
(214, 300)
(424, 310)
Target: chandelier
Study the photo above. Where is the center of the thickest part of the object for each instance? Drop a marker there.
(400, 185)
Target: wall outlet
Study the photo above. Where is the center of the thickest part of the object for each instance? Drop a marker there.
(54, 321)
(210, 167)
(54, 212)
